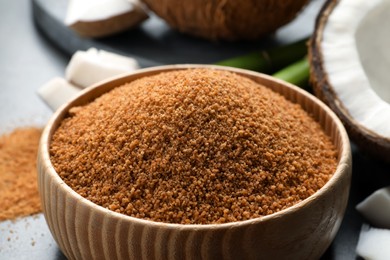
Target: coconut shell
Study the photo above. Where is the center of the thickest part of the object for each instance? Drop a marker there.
(368, 141)
(110, 26)
(227, 19)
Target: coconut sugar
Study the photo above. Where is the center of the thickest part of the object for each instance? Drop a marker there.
(195, 146)
(18, 175)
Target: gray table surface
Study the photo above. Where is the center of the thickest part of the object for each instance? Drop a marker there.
(28, 60)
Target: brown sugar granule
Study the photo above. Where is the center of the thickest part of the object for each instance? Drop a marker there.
(194, 146)
(18, 175)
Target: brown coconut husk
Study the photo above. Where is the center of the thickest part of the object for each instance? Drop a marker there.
(227, 19)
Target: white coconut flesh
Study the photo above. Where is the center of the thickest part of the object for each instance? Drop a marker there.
(84, 69)
(94, 10)
(356, 58)
(373, 243)
(89, 67)
(376, 208)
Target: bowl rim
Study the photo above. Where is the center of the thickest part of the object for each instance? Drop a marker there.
(343, 166)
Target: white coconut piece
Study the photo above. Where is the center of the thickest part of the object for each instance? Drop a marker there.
(356, 58)
(376, 208)
(89, 67)
(57, 92)
(92, 10)
(99, 18)
(373, 243)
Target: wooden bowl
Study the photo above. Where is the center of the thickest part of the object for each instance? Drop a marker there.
(84, 230)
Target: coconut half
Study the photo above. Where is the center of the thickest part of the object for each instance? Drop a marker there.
(226, 19)
(100, 18)
(350, 69)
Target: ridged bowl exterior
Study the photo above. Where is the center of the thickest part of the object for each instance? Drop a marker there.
(84, 230)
